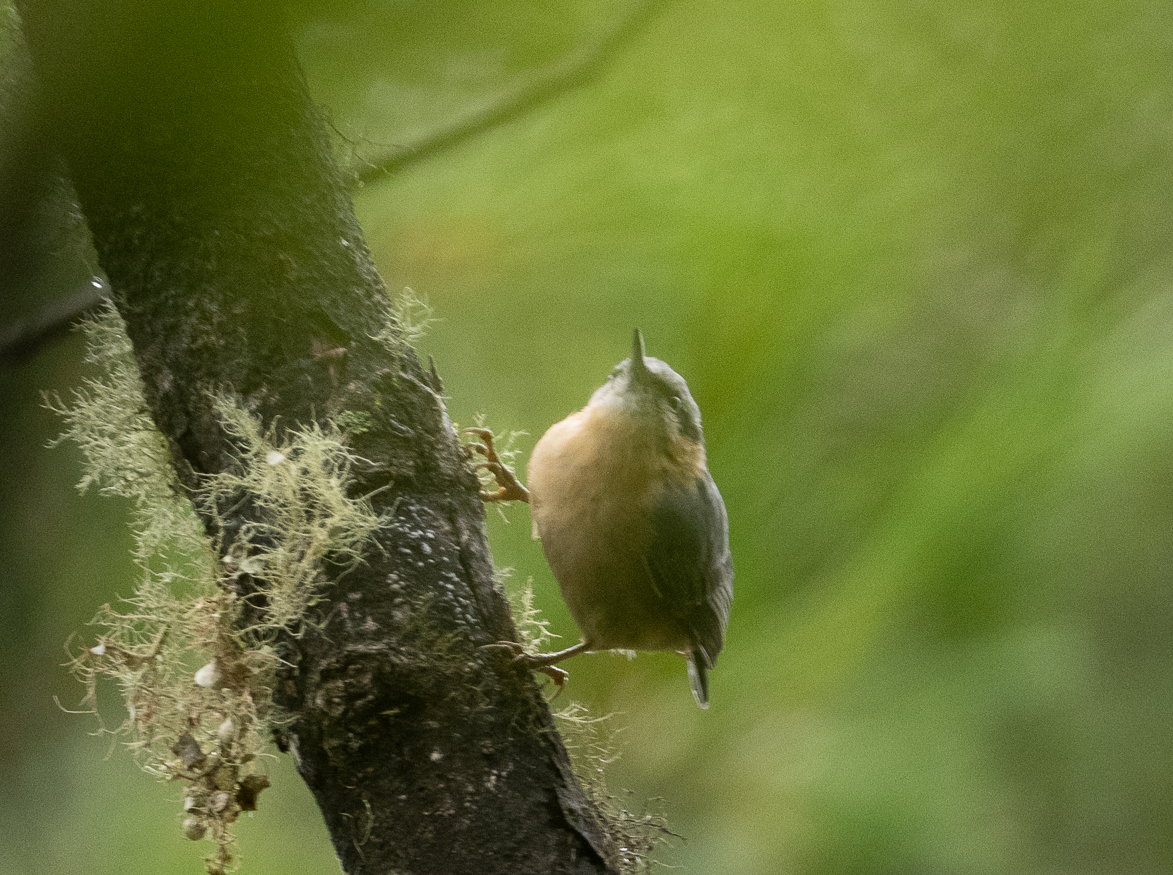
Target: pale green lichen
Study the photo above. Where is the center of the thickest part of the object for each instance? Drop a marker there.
(593, 746)
(195, 674)
(532, 627)
(354, 422)
(408, 317)
(124, 454)
(301, 512)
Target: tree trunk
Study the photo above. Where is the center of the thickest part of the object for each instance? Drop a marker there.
(206, 178)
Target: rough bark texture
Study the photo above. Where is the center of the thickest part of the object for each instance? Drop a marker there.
(205, 176)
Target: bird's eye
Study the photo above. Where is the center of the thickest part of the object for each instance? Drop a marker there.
(676, 401)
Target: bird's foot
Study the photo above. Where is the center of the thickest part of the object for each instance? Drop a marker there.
(533, 661)
(510, 488)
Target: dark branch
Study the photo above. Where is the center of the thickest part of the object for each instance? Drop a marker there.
(206, 178)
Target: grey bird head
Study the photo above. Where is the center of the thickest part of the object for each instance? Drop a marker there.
(647, 388)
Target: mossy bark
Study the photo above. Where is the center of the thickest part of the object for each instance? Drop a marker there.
(206, 178)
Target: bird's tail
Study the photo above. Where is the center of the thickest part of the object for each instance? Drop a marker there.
(698, 676)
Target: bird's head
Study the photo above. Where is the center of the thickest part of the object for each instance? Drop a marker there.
(653, 395)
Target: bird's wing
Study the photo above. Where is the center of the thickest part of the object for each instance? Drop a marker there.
(690, 563)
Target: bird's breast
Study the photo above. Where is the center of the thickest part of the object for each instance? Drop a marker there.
(593, 478)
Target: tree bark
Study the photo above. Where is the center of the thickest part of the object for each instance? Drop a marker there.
(206, 178)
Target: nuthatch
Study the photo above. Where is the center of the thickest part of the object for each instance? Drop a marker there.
(631, 521)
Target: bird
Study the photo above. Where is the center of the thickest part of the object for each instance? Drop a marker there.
(630, 520)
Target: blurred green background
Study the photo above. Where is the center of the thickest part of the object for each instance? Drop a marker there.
(914, 260)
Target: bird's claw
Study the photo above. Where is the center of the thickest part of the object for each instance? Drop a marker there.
(511, 489)
(534, 663)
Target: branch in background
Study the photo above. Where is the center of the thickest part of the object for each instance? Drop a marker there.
(575, 69)
(25, 336)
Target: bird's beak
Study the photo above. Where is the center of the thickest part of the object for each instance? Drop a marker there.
(637, 353)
